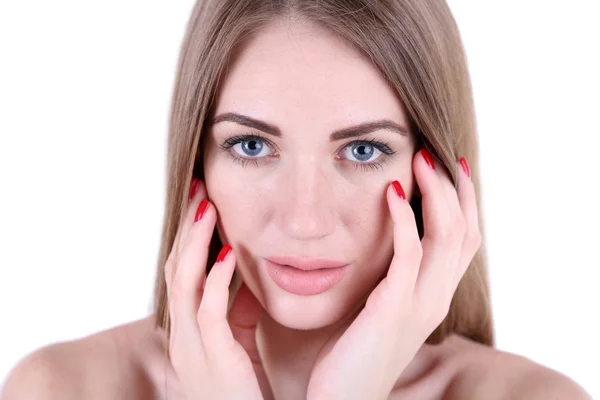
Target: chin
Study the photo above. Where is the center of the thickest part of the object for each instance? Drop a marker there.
(305, 312)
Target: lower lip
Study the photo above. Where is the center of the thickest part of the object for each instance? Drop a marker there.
(305, 283)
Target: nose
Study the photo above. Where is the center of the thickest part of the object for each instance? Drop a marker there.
(306, 210)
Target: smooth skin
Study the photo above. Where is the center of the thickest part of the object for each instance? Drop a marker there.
(215, 355)
(308, 197)
(413, 298)
(208, 360)
(369, 357)
(365, 361)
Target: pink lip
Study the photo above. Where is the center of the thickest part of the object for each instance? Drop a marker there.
(306, 264)
(305, 282)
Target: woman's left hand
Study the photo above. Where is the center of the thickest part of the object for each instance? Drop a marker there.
(414, 297)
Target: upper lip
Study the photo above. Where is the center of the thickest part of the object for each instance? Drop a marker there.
(306, 264)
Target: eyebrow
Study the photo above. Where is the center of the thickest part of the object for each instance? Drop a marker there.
(353, 131)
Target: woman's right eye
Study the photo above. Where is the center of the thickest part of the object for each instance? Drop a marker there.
(252, 148)
(248, 148)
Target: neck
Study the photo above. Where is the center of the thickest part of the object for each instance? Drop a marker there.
(288, 355)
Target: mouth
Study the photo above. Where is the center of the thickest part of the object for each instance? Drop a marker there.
(305, 277)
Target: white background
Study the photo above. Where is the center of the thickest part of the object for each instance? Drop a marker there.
(84, 96)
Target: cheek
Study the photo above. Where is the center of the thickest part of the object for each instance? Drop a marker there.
(369, 218)
(371, 228)
(237, 202)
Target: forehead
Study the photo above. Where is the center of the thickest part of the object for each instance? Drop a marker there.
(300, 70)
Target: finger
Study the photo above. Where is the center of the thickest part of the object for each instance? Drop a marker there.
(212, 313)
(191, 266)
(199, 189)
(196, 193)
(435, 207)
(184, 273)
(468, 204)
(404, 267)
(436, 265)
(457, 231)
(452, 202)
(184, 276)
(243, 319)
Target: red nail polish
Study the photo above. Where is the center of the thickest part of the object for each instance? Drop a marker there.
(193, 188)
(428, 158)
(465, 166)
(223, 253)
(398, 189)
(201, 210)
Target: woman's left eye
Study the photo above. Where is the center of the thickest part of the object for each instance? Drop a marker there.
(361, 152)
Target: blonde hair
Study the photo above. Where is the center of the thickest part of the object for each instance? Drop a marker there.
(414, 44)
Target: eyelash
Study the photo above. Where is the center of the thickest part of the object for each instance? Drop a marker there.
(232, 141)
(381, 146)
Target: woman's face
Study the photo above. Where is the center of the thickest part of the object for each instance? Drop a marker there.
(296, 190)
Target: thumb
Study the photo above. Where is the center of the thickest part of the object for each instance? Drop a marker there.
(243, 318)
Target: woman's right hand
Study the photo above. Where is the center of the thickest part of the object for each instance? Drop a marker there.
(213, 354)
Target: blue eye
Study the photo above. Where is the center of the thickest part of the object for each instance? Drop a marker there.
(246, 148)
(250, 148)
(254, 148)
(363, 152)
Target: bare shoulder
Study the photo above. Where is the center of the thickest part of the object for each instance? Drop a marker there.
(488, 373)
(43, 374)
(99, 366)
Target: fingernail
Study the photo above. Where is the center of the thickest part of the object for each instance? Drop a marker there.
(201, 210)
(428, 158)
(193, 188)
(223, 253)
(465, 166)
(398, 189)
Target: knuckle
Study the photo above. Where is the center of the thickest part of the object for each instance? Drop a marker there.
(381, 297)
(205, 318)
(177, 297)
(461, 226)
(415, 252)
(438, 314)
(434, 312)
(446, 234)
(180, 287)
(410, 246)
(478, 239)
(168, 269)
(474, 241)
(445, 238)
(174, 301)
(441, 313)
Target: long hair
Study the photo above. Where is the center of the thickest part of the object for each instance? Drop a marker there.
(417, 48)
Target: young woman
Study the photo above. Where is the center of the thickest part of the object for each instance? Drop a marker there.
(321, 236)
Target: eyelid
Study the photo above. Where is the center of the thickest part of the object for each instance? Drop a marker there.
(244, 137)
(229, 143)
(381, 146)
